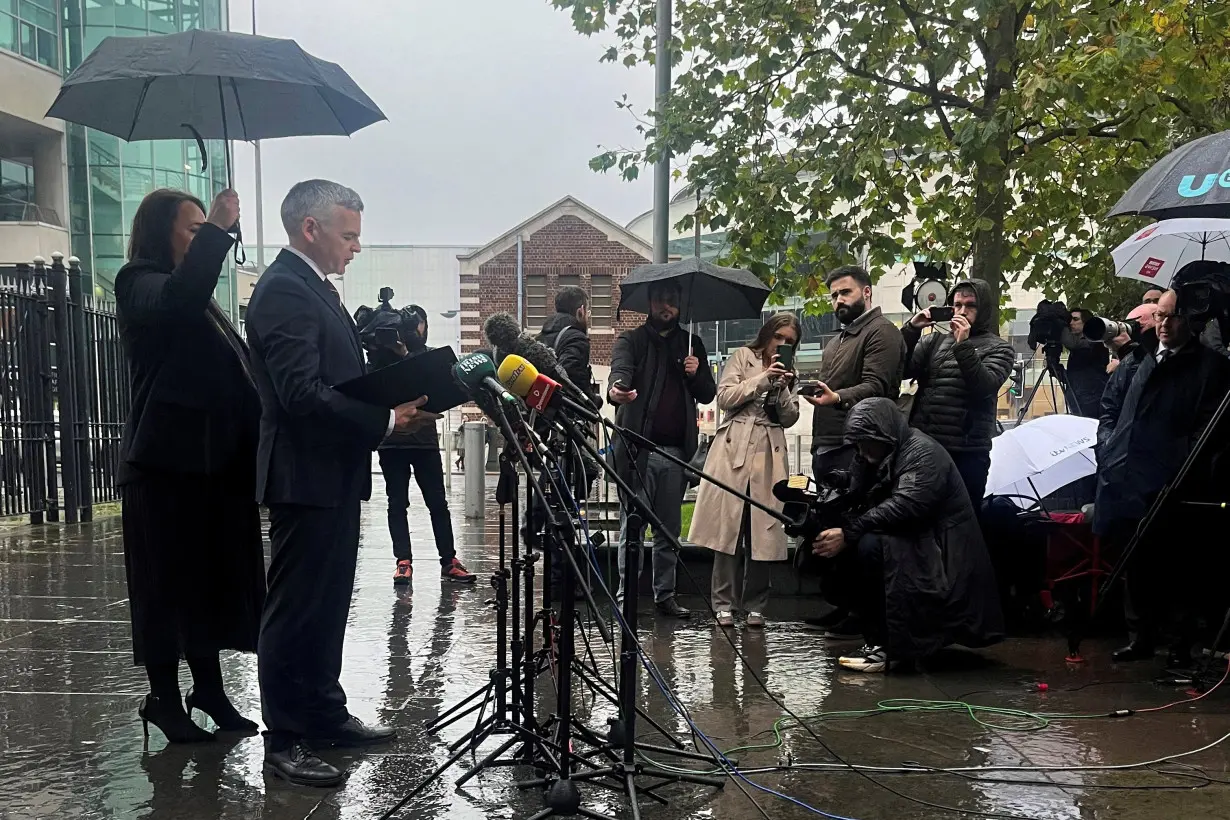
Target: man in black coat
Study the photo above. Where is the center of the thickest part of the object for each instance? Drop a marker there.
(313, 472)
(1156, 404)
(567, 333)
(911, 559)
(959, 378)
(1086, 368)
(659, 372)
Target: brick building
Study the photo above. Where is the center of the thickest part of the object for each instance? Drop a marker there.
(569, 243)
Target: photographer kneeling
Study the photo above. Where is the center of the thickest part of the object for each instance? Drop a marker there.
(912, 560)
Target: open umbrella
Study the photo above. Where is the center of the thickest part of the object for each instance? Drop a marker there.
(708, 292)
(211, 85)
(1156, 253)
(1034, 459)
(1191, 181)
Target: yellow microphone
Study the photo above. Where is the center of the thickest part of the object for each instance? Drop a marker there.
(517, 374)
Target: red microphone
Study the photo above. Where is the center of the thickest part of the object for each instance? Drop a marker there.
(541, 393)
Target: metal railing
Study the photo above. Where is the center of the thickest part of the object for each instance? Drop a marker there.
(63, 394)
(14, 210)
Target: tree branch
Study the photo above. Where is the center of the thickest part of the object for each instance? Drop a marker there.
(1102, 130)
(930, 66)
(947, 22)
(938, 96)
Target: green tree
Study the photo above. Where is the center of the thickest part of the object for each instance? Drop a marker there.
(991, 134)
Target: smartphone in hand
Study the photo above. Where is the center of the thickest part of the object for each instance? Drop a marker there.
(942, 313)
(810, 389)
(785, 356)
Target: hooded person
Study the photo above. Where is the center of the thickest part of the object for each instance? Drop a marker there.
(415, 454)
(959, 377)
(912, 552)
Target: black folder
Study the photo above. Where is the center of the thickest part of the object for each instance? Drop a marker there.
(429, 374)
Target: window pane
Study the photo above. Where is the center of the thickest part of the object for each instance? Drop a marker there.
(8, 32)
(9, 6)
(48, 48)
(169, 155)
(106, 214)
(600, 299)
(28, 49)
(130, 14)
(38, 16)
(170, 179)
(108, 244)
(190, 14)
(212, 15)
(137, 183)
(137, 153)
(535, 301)
(162, 16)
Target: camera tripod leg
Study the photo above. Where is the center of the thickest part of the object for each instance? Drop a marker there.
(459, 710)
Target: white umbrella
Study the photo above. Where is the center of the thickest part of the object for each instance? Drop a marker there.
(1156, 253)
(1036, 458)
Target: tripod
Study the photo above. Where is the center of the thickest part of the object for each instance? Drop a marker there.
(1053, 368)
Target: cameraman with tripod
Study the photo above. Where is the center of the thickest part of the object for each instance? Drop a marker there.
(388, 336)
(1156, 404)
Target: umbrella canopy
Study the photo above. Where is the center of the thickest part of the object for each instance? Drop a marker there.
(1158, 252)
(211, 85)
(1191, 181)
(1035, 459)
(707, 292)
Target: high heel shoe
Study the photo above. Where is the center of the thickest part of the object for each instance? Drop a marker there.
(171, 720)
(221, 711)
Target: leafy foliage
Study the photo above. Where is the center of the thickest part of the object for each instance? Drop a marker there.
(991, 134)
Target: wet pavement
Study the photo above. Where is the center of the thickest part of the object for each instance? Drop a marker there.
(71, 745)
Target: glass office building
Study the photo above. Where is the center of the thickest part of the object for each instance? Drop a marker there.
(107, 178)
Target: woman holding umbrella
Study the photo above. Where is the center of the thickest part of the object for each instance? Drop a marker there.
(192, 530)
(758, 397)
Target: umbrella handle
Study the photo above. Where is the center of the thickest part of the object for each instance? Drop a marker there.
(200, 144)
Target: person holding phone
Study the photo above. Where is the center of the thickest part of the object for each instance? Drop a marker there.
(758, 398)
(959, 376)
(659, 372)
(864, 359)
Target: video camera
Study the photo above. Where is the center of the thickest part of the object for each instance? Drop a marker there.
(383, 327)
(1048, 324)
(813, 508)
(1203, 291)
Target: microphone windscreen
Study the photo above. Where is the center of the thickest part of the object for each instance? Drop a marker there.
(537, 353)
(471, 370)
(502, 331)
(517, 374)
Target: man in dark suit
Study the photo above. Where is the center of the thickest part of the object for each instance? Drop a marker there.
(313, 472)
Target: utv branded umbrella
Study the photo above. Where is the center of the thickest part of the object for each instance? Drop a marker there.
(1191, 181)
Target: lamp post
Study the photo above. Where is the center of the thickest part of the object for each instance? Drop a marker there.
(662, 169)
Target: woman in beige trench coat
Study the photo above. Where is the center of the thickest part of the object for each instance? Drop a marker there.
(758, 399)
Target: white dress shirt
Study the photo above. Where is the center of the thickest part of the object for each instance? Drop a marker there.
(311, 263)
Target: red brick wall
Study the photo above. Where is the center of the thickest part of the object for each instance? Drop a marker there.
(566, 247)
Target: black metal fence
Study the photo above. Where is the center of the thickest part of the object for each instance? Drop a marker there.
(63, 394)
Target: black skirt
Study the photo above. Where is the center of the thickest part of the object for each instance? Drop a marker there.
(195, 565)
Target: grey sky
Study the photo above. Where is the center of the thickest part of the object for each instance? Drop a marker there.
(495, 108)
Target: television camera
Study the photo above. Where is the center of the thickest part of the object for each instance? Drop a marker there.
(1046, 328)
(812, 507)
(384, 326)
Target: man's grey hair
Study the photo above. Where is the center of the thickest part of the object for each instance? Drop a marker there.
(316, 198)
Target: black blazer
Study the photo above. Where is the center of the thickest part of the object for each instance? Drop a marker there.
(315, 443)
(194, 405)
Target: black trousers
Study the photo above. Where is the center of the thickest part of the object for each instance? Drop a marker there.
(397, 465)
(974, 466)
(311, 580)
(854, 580)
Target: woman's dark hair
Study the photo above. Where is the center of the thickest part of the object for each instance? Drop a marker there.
(152, 225)
(776, 322)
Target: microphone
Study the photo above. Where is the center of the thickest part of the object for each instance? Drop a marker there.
(502, 332)
(476, 374)
(540, 392)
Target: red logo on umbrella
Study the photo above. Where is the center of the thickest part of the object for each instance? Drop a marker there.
(1146, 232)
(1151, 267)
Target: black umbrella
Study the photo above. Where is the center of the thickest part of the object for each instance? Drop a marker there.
(707, 292)
(1191, 181)
(211, 85)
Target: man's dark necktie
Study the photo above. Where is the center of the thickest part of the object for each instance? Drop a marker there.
(333, 290)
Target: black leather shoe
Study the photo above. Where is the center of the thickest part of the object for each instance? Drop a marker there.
(670, 607)
(299, 765)
(355, 733)
(1135, 651)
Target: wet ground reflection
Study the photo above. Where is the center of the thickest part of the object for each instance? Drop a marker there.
(71, 744)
